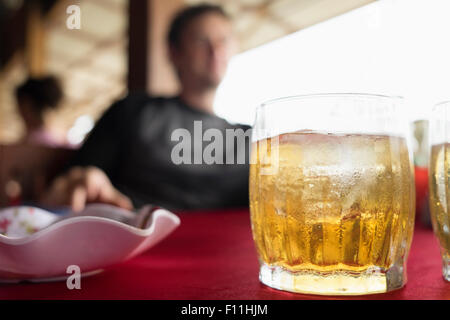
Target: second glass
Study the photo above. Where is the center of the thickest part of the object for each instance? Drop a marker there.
(439, 180)
(332, 197)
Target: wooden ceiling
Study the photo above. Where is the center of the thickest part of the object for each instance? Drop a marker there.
(91, 61)
(260, 21)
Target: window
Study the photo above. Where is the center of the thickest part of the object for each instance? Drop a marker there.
(393, 47)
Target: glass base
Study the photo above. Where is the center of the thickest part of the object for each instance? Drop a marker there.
(446, 268)
(339, 282)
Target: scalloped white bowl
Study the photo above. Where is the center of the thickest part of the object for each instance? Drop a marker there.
(89, 241)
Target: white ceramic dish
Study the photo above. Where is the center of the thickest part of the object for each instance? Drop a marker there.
(36, 245)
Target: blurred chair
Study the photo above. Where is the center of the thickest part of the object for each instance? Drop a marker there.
(25, 171)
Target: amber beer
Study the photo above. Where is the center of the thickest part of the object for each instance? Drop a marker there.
(440, 200)
(335, 214)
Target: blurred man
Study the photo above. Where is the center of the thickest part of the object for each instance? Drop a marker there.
(128, 158)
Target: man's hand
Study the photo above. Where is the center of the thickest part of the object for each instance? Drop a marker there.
(84, 185)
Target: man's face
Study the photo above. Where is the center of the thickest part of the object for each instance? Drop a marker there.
(205, 48)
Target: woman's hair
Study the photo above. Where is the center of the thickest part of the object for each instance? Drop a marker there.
(43, 92)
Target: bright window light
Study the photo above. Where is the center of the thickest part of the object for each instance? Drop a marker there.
(392, 47)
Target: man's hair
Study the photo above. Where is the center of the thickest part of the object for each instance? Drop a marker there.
(186, 16)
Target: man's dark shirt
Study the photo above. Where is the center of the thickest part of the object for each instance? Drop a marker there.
(132, 144)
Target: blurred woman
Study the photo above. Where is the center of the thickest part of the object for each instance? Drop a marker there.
(34, 98)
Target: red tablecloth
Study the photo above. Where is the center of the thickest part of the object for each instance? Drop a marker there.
(212, 256)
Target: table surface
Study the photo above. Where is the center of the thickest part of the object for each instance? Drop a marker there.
(212, 256)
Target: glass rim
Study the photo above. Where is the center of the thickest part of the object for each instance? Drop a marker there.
(440, 104)
(326, 95)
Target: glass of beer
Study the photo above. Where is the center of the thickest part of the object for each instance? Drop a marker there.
(332, 195)
(439, 180)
